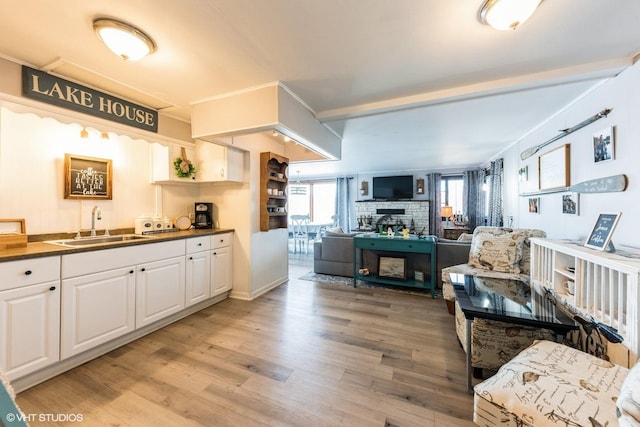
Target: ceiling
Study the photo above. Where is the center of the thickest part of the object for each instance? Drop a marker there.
(407, 85)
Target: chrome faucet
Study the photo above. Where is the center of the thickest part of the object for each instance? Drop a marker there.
(96, 213)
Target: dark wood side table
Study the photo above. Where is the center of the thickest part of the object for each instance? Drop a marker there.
(476, 300)
(452, 233)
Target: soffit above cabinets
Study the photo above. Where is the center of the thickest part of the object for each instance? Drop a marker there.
(266, 108)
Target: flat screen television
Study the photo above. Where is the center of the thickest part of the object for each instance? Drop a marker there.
(393, 187)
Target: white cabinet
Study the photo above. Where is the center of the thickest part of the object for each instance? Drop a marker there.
(606, 284)
(29, 315)
(198, 266)
(160, 290)
(218, 162)
(162, 167)
(221, 263)
(97, 308)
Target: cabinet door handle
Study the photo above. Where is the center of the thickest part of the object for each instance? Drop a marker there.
(53, 288)
(190, 257)
(131, 271)
(143, 269)
(199, 244)
(27, 273)
(215, 253)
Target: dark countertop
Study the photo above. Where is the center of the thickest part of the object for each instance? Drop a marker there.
(41, 249)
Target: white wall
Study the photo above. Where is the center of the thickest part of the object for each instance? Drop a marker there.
(263, 261)
(622, 94)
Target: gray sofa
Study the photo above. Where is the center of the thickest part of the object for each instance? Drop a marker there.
(450, 252)
(334, 255)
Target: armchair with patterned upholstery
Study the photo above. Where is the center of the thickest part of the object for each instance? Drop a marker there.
(495, 252)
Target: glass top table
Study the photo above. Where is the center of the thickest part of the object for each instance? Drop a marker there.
(506, 300)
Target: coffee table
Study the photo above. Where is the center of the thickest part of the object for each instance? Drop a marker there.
(506, 300)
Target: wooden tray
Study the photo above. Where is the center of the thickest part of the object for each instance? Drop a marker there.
(13, 233)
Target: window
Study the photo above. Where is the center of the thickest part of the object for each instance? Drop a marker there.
(316, 198)
(451, 193)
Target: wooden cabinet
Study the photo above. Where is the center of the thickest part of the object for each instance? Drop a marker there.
(221, 263)
(219, 163)
(198, 270)
(97, 308)
(273, 191)
(29, 315)
(454, 232)
(160, 289)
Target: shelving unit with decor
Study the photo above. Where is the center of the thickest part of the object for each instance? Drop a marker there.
(273, 191)
(606, 284)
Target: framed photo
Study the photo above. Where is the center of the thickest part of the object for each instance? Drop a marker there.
(602, 231)
(571, 204)
(534, 204)
(87, 177)
(419, 276)
(392, 268)
(553, 168)
(603, 145)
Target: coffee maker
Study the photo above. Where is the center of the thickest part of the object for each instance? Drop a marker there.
(203, 215)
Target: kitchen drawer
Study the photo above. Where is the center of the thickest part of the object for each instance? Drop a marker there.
(221, 240)
(27, 272)
(198, 244)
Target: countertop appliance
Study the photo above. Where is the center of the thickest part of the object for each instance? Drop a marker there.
(203, 215)
(143, 225)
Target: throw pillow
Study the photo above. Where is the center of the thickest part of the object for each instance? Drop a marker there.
(465, 237)
(334, 230)
(497, 252)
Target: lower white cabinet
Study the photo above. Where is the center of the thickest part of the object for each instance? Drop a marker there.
(29, 315)
(97, 308)
(160, 289)
(198, 266)
(221, 263)
(29, 328)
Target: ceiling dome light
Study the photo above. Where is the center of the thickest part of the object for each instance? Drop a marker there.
(126, 41)
(507, 14)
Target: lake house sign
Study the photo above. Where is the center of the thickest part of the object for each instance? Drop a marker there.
(63, 93)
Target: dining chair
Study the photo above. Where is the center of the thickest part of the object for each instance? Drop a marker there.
(300, 232)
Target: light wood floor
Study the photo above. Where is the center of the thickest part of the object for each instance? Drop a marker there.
(305, 354)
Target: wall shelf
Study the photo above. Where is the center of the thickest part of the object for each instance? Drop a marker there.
(273, 191)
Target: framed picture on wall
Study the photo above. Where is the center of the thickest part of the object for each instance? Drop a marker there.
(571, 204)
(534, 205)
(603, 145)
(87, 177)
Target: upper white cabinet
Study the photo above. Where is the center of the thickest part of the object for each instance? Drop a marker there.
(162, 158)
(218, 162)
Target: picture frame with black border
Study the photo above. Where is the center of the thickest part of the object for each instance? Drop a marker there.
(602, 231)
(394, 268)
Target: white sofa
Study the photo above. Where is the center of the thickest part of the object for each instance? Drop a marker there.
(550, 384)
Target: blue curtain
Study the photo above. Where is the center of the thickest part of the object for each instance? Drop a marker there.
(435, 221)
(495, 179)
(343, 204)
(473, 197)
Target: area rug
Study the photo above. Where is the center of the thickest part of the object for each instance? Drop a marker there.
(348, 281)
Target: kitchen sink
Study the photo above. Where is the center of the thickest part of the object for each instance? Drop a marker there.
(97, 240)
